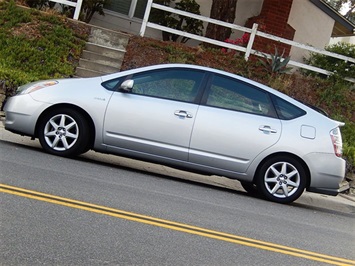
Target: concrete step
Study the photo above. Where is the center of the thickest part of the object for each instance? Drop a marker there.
(108, 38)
(87, 73)
(103, 54)
(106, 51)
(92, 65)
(101, 59)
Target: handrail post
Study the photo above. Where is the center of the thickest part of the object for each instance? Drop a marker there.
(251, 41)
(146, 17)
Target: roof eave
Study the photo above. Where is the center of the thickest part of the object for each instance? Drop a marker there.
(342, 26)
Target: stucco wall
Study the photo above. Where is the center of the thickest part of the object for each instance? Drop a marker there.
(312, 26)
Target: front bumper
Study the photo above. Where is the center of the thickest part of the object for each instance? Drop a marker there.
(21, 114)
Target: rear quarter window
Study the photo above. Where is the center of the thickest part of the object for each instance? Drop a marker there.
(286, 110)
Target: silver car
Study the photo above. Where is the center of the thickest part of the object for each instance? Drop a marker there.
(189, 117)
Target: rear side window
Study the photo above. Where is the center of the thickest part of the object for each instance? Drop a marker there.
(233, 94)
(286, 110)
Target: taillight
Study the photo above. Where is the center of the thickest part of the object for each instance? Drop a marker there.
(337, 141)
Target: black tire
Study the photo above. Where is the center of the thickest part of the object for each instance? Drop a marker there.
(64, 132)
(249, 187)
(281, 179)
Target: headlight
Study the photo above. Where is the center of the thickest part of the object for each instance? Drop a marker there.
(33, 86)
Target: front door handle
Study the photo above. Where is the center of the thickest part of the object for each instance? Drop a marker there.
(267, 129)
(183, 114)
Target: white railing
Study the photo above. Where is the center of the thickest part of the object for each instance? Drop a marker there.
(248, 49)
(76, 5)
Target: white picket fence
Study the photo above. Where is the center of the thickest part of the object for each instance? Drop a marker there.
(248, 49)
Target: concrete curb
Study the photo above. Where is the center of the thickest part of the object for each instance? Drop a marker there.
(348, 196)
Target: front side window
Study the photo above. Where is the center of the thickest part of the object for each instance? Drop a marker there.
(173, 84)
(232, 94)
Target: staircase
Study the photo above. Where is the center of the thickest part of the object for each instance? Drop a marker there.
(103, 54)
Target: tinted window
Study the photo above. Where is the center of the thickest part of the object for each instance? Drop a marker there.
(286, 110)
(236, 95)
(174, 84)
(110, 84)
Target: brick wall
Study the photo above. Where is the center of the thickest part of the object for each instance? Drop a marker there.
(273, 20)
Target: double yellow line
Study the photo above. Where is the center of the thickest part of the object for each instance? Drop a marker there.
(175, 226)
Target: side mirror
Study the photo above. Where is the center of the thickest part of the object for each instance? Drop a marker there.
(127, 85)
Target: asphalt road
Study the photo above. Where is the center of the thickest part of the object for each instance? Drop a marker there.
(104, 210)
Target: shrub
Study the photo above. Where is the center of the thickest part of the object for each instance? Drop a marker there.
(339, 67)
(178, 22)
(88, 8)
(34, 47)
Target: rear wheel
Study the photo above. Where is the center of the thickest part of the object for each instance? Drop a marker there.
(64, 132)
(281, 179)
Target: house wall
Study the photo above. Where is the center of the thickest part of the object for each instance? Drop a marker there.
(312, 26)
(245, 9)
(119, 22)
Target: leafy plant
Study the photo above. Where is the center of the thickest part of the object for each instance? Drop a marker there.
(276, 64)
(349, 155)
(178, 22)
(339, 67)
(39, 3)
(88, 8)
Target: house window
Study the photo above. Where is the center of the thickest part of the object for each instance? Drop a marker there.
(131, 8)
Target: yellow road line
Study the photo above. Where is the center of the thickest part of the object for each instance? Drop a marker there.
(175, 226)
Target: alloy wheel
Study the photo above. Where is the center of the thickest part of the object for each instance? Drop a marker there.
(282, 179)
(61, 132)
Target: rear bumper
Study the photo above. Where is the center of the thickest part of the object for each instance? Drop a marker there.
(343, 186)
(327, 173)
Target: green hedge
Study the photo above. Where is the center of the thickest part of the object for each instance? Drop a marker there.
(35, 46)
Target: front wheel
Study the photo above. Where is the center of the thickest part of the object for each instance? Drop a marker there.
(281, 179)
(62, 132)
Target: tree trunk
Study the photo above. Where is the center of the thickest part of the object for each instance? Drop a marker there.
(221, 10)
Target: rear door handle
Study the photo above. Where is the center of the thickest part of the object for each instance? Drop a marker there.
(267, 129)
(183, 114)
